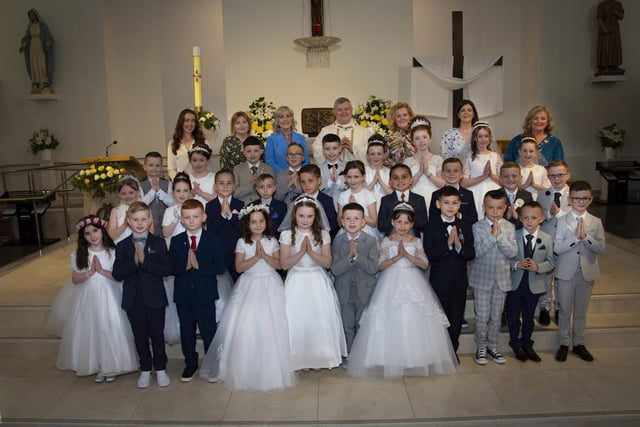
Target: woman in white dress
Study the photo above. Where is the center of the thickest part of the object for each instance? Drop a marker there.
(456, 142)
(187, 133)
(313, 311)
(96, 335)
(404, 330)
(251, 347)
(482, 166)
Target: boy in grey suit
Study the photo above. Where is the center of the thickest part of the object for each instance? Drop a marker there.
(490, 277)
(534, 260)
(354, 265)
(578, 242)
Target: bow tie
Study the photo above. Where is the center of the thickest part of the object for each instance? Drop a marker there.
(142, 240)
(331, 166)
(449, 223)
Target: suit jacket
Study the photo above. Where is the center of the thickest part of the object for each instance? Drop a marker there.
(245, 190)
(520, 194)
(146, 277)
(385, 213)
(546, 198)
(573, 254)
(542, 255)
(284, 192)
(361, 272)
(491, 266)
(227, 230)
(467, 205)
(333, 189)
(277, 211)
(201, 282)
(448, 266)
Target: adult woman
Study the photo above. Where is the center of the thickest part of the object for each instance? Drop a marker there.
(539, 124)
(400, 145)
(37, 45)
(186, 134)
(231, 149)
(456, 142)
(284, 126)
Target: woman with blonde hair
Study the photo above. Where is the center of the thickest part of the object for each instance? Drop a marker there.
(538, 123)
(398, 140)
(284, 126)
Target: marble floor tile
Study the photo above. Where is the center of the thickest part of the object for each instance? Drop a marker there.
(26, 365)
(298, 403)
(615, 389)
(617, 357)
(542, 392)
(22, 397)
(345, 398)
(461, 395)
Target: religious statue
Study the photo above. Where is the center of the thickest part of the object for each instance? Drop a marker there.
(37, 45)
(609, 41)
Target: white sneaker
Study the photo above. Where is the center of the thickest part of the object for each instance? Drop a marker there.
(163, 379)
(99, 378)
(111, 378)
(144, 380)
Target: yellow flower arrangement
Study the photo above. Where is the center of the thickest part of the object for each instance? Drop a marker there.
(98, 180)
(373, 114)
(261, 114)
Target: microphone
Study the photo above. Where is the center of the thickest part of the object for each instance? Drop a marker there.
(107, 148)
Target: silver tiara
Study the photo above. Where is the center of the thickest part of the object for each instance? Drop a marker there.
(307, 199)
(403, 206)
(479, 124)
(126, 177)
(377, 141)
(253, 208)
(199, 148)
(528, 138)
(420, 122)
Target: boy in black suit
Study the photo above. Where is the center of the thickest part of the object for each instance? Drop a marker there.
(141, 262)
(196, 258)
(452, 175)
(448, 243)
(400, 180)
(511, 177)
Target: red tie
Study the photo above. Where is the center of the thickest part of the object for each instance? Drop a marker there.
(194, 246)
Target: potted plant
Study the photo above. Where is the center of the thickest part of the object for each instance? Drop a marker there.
(43, 141)
(611, 138)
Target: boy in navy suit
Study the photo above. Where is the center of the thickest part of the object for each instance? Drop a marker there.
(155, 190)
(196, 258)
(400, 180)
(141, 262)
(452, 174)
(310, 182)
(266, 187)
(511, 177)
(448, 243)
(222, 218)
(529, 267)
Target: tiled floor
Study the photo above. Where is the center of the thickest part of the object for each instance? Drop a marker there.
(605, 392)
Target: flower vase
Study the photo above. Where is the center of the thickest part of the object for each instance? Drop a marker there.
(46, 155)
(609, 153)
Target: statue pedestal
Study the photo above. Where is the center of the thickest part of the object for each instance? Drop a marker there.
(609, 78)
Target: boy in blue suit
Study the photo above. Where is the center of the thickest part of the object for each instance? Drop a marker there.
(222, 218)
(141, 262)
(196, 259)
(310, 183)
(529, 268)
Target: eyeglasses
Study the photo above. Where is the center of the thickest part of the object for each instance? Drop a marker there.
(580, 199)
(557, 176)
(295, 154)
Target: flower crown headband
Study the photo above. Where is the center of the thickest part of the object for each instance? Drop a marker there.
(253, 208)
(306, 199)
(199, 148)
(403, 206)
(420, 122)
(480, 124)
(94, 220)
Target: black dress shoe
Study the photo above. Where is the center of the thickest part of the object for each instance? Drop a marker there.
(520, 354)
(544, 319)
(188, 374)
(561, 354)
(582, 351)
(532, 355)
(555, 316)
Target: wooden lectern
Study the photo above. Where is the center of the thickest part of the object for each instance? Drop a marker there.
(130, 163)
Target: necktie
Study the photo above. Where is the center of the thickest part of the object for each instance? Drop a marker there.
(402, 197)
(331, 166)
(194, 246)
(512, 198)
(529, 249)
(556, 198)
(254, 170)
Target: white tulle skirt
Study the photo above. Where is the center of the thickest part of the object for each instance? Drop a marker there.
(403, 331)
(251, 347)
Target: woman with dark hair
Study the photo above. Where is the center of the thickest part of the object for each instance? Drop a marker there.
(231, 149)
(398, 140)
(538, 123)
(186, 134)
(456, 142)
